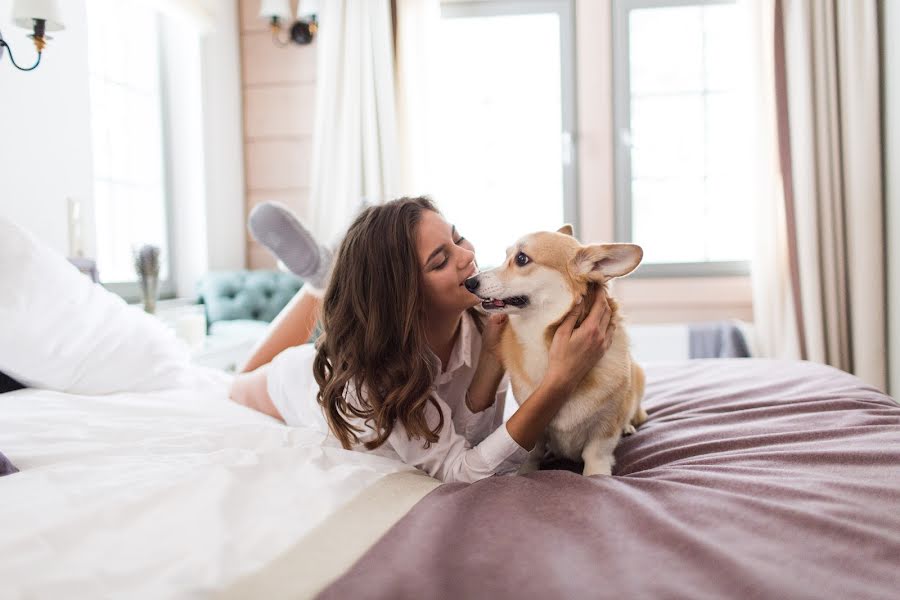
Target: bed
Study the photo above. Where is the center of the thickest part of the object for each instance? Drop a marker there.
(751, 478)
(181, 494)
(138, 478)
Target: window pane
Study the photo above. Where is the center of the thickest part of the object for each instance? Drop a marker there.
(126, 115)
(689, 147)
(725, 157)
(729, 228)
(497, 129)
(666, 53)
(664, 136)
(126, 213)
(722, 53)
(669, 219)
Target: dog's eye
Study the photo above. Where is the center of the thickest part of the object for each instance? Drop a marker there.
(522, 259)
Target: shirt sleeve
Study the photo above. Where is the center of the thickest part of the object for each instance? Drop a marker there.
(451, 458)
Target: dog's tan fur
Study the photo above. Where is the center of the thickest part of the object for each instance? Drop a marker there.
(606, 403)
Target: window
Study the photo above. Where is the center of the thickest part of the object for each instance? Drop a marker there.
(505, 107)
(127, 125)
(681, 151)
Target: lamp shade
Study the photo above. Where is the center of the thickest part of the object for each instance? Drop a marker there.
(280, 9)
(307, 9)
(25, 11)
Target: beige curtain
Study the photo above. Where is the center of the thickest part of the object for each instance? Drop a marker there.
(774, 315)
(827, 107)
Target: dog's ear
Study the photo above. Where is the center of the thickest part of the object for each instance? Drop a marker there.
(602, 262)
(566, 230)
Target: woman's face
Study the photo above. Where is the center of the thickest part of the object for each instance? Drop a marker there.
(447, 259)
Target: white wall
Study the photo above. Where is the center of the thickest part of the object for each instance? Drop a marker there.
(45, 133)
(891, 79)
(45, 143)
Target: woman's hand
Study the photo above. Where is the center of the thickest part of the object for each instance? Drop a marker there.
(574, 352)
(493, 330)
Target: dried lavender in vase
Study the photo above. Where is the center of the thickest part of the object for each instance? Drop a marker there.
(146, 263)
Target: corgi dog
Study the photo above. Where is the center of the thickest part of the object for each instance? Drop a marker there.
(545, 276)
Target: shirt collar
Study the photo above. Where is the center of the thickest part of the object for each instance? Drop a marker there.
(461, 355)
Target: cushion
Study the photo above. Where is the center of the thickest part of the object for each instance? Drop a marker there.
(249, 295)
(63, 332)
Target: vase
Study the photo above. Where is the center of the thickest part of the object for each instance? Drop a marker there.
(149, 291)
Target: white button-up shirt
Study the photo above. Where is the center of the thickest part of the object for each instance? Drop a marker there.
(470, 446)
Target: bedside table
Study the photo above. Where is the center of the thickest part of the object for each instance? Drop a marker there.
(227, 344)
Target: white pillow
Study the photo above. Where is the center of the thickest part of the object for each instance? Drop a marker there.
(60, 331)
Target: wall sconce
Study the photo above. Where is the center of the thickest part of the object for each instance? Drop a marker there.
(277, 12)
(40, 16)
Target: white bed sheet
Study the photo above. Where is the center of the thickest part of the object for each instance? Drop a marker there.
(159, 495)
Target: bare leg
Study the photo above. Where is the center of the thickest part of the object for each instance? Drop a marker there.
(293, 326)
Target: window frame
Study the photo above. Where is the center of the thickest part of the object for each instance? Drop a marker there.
(130, 291)
(569, 118)
(621, 92)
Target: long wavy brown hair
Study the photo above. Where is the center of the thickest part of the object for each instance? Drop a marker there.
(373, 318)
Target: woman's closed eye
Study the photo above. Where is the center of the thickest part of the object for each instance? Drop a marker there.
(446, 256)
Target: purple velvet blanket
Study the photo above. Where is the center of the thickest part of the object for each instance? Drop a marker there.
(751, 479)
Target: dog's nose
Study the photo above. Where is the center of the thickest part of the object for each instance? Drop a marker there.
(472, 283)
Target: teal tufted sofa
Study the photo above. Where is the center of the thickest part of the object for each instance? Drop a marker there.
(246, 295)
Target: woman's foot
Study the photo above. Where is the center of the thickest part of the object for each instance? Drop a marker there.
(276, 228)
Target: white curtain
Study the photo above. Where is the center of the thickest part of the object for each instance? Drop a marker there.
(417, 30)
(355, 153)
(819, 289)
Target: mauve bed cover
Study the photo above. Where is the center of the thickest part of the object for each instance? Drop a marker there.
(751, 479)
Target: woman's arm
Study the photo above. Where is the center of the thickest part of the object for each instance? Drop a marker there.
(483, 389)
(293, 326)
(489, 372)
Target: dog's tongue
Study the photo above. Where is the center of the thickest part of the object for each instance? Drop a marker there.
(498, 303)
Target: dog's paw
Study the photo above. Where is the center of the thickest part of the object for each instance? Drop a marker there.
(629, 429)
(602, 467)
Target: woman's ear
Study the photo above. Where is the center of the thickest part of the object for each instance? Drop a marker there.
(566, 230)
(602, 262)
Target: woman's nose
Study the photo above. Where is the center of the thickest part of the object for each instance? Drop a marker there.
(467, 257)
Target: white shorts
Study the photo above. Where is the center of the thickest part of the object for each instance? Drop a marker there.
(293, 388)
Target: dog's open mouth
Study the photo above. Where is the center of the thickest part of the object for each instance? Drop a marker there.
(498, 303)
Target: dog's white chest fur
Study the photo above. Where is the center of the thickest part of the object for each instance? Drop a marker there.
(590, 406)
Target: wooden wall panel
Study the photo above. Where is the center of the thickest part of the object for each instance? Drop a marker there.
(278, 85)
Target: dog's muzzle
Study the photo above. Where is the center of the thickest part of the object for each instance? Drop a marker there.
(473, 283)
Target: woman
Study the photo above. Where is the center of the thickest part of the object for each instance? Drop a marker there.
(405, 366)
